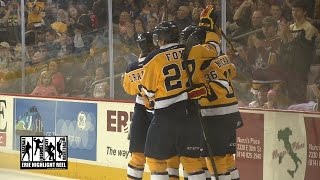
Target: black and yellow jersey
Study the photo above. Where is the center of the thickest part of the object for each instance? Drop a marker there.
(165, 78)
(132, 77)
(216, 73)
(198, 57)
(213, 39)
(131, 82)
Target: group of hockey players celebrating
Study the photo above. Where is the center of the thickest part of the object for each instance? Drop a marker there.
(186, 111)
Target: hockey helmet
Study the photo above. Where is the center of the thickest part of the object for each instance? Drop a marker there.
(186, 33)
(167, 31)
(145, 42)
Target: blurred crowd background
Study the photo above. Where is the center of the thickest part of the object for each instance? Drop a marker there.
(276, 47)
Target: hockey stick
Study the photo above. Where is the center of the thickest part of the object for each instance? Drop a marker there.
(216, 29)
(166, 10)
(204, 132)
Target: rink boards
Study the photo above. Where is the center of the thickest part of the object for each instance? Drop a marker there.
(273, 145)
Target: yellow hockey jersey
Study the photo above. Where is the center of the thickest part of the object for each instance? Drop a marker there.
(131, 83)
(216, 73)
(165, 78)
(213, 39)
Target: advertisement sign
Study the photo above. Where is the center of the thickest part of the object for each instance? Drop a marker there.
(313, 147)
(113, 143)
(77, 120)
(250, 145)
(3, 122)
(285, 146)
(6, 112)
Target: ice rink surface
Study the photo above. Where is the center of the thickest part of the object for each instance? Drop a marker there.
(6, 174)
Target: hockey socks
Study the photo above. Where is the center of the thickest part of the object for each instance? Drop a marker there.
(225, 176)
(173, 173)
(160, 176)
(134, 173)
(235, 174)
(197, 176)
(135, 167)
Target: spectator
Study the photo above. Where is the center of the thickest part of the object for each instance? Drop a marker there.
(105, 64)
(5, 55)
(65, 44)
(125, 25)
(35, 9)
(39, 35)
(13, 24)
(183, 17)
(101, 89)
(240, 60)
(60, 26)
(196, 15)
(73, 15)
(261, 95)
(272, 100)
(242, 14)
(313, 102)
(132, 7)
(277, 14)
(297, 52)
(241, 17)
(9, 83)
(4, 16)
(15, 63)
(57, 79)
(78, 17)
(266, 67)
(79, 41)
(256, 19)
(52, 45)
(264, 6)
(38, 58)
(139, 26)
(152, 23)
(100, 11)
(44, 87)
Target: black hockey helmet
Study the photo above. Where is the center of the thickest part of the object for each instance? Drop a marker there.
(186, 33)
(167, 31)
(145, 43)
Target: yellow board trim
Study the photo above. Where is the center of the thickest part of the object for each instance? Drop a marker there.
(75, 170)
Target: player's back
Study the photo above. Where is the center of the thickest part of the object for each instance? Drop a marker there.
(132, 77)
(131, 83)
(217, 74)
(164, 77)
(221, 98)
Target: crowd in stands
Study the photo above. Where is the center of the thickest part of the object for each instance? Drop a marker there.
(276, 46)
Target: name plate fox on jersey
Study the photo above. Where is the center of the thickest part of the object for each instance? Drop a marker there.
(43, 152)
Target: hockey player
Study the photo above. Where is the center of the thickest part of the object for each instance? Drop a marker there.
(219, 110)
(174, 162)
(165, 79)
(143, 110)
